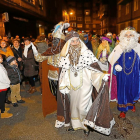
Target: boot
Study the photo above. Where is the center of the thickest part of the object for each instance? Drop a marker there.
(86, 132)
(32, 90)
(6, 115)
(134, 108)
(122, 115)
(7, 109)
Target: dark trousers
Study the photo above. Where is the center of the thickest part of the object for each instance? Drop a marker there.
(31, 81)
(2, 101)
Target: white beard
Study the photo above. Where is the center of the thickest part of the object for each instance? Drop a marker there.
(127, 44)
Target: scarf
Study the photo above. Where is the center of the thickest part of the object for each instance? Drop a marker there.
(26, 49)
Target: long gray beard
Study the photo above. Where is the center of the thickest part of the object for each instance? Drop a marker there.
(128, 44)
(74, 54)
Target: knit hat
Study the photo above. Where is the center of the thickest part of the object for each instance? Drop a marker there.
(10, 59)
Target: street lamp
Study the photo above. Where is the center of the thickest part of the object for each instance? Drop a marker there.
(71, 13)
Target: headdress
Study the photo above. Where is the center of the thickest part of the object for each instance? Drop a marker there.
(107, 39)
(109, 34)
(130, 28)
(71, 34)
(58, 30)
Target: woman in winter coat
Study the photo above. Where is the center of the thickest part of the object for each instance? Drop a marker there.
(30, 66)
(5, 49)
(4, 85)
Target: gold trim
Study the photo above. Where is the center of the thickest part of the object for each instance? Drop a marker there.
(81, 80)
(63, 87)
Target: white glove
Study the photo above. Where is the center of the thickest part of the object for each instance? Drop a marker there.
(34, 49)
(106, 77)
(118, 68)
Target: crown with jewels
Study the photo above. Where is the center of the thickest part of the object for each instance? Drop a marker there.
(130, 28)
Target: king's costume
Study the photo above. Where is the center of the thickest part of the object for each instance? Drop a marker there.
(81, 82)
(126, 67)
(50, 70)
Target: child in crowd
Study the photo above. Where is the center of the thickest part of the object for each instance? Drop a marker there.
(4, 85)
(15, 78)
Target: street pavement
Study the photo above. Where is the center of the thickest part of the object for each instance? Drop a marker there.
(28, 122)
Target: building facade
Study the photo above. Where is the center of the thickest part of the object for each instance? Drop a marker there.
(108, 15)
(28, 17)
(82, 15)
(128, 14)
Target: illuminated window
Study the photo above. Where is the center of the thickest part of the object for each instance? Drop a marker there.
(31, 1)
(136, 7)
(87, 26)
(94, 25)
(87, 12)
(73, 24)
(79, 25)
(87, 20)
(72, 17)
(119, 11)
(79, 18)
(127, 8)
(41, 4)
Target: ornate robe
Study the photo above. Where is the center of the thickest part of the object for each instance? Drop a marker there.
(74, 103)
(128, 83)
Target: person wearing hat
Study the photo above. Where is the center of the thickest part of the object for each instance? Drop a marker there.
(103, 52)
(30, 65)
(95, 44)
(79, 73)
(112, 43)
(15, 79)
(88, 42)
(50, 71)
(125, 64)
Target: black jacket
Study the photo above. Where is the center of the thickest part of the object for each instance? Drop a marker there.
(13, 74)
(17, 54)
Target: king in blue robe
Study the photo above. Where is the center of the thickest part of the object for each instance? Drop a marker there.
(127, 80)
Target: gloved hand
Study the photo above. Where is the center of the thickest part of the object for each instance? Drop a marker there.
(118, 68)
(34, 49)
(106, 77)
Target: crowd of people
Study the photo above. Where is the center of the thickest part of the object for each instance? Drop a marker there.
(86, 61)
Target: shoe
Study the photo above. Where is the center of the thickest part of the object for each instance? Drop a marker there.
(32, 90)
(122, 115)
(134, 108)
(21, 101)
(8, 102)
(6, 115)
(70, 129)
(86, 133)
(29, 90)
(7, 109)
(15, 105)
